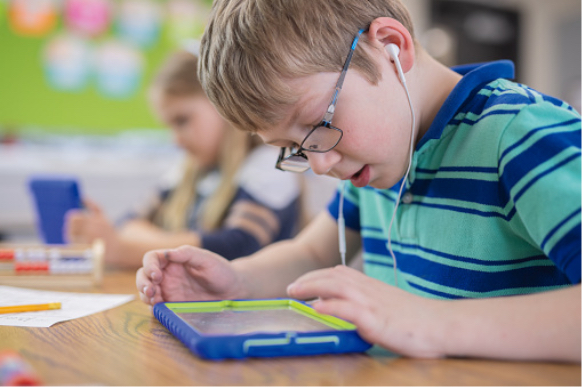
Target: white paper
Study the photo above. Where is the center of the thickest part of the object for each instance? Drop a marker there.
(73, 305)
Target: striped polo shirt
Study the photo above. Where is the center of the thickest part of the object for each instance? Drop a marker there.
(492, 203)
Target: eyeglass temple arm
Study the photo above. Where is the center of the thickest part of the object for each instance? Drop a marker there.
(340, 82)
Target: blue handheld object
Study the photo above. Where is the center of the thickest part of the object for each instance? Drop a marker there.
(53, 197)
(257, 328)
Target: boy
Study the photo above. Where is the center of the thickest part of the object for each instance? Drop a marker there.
(463, 185)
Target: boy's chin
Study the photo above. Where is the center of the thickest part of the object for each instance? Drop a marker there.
(380, 184)
(375, 184)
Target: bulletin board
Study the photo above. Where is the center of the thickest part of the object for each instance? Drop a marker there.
(73, 99)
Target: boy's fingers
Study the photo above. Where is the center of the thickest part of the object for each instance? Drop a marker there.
(186, 254)
(337, 274)
(153, 263)
(322, 287)
(149, 292)
(343, 309)
(338, 282)
(141, 280)
(150, 276)
(196, 258)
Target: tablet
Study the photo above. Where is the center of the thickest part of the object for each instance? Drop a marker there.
(257, 328)
(53, 197)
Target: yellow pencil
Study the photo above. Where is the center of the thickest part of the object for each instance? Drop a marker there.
(30, 308)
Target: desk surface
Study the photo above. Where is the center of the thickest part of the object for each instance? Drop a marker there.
(127, 346)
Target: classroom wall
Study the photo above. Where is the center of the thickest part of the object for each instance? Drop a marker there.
(34, 92)
(549, 41)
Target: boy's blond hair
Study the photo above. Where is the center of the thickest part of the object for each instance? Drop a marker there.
(178, 78)
(252, 48)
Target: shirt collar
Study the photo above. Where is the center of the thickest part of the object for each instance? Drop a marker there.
(474, 77)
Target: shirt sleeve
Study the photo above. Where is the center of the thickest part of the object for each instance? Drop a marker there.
(250, 225)
(540, 175)
(231, 243)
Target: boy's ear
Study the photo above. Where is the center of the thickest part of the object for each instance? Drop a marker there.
(386, 30)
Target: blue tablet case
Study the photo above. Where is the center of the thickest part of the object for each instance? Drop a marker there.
(239, 329)
(53, 197)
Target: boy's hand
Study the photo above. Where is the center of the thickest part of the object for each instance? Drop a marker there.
(187, 274)
(385, 315)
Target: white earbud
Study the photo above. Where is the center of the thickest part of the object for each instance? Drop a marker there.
(394, 51)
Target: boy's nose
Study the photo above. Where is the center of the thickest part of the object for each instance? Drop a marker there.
(322, 163)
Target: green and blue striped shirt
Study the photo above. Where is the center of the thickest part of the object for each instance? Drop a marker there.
(492, 203)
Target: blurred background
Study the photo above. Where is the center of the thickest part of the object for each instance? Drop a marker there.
(74, 75)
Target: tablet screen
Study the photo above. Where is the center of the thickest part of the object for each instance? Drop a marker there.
(235, 322)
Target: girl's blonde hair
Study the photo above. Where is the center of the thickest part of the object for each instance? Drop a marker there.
(252, 48)
(178, 78)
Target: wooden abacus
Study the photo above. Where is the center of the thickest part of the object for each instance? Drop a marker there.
(72, 265)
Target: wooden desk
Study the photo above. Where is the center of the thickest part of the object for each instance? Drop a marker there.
(127, 346)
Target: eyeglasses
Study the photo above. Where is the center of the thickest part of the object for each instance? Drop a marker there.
(324, 136)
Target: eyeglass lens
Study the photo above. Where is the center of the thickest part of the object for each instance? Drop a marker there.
(294, 163)
(322, 139)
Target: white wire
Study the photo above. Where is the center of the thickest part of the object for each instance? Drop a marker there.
(411, 150)
(342, 224)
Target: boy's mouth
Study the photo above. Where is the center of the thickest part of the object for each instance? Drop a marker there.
(362, 177)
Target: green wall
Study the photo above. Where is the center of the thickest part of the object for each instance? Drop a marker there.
(27, 100)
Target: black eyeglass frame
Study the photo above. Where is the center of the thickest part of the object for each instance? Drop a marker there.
(325, 122)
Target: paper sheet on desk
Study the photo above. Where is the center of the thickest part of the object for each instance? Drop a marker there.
(73, 305)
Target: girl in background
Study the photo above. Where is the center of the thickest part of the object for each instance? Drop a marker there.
(229, 199)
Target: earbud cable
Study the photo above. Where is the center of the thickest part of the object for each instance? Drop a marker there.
(342, 224)
(411, 150)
